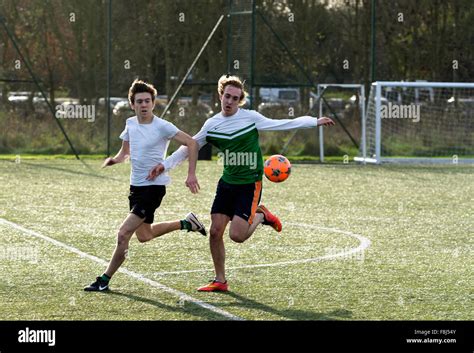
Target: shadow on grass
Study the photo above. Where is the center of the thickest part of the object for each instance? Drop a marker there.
(92, 172)
(291, 314)
(185, 308)
(413, 169)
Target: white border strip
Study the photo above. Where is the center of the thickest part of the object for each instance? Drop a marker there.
(364, 244)
(424, 84)
(135, 275)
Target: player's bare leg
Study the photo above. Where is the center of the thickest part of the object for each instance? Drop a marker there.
(144, 232)
(147, 232)
(216, 241)
(128, 227)
(241, 230)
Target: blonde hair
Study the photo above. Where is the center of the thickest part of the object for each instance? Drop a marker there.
(227, 80)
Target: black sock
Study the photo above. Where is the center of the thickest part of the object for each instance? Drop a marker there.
(185, 224)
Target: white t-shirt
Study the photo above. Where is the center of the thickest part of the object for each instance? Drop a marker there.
(148, 146)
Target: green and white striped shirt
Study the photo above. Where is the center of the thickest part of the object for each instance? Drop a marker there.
(236, 138)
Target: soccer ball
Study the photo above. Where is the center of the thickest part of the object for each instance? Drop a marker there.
(277, 168)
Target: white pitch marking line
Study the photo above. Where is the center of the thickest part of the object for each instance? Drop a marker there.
(364, 244)
(135, 275)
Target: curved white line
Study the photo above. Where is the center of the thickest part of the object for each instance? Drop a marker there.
(364, 244)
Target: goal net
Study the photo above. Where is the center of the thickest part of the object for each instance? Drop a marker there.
(419, 122)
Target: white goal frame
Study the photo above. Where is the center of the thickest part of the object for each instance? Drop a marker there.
(378, 158)
(361, 90)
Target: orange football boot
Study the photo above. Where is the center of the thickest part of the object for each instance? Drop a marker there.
(269, 218)
(215, 286)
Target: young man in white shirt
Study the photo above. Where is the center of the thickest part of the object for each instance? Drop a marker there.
(234, 132)
(145, 139)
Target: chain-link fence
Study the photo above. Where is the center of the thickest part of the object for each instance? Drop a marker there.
(81, 51)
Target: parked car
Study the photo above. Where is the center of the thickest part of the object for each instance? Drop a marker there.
(113, 101)
(280, 95)
(121, 107)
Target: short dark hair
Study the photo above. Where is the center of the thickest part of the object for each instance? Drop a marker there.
(139, 86)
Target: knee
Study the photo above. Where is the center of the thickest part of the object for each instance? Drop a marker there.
(237, 237)
(143, 239)
(123, 237)
(216, 233)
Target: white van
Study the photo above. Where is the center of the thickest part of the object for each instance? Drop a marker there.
(280, 95)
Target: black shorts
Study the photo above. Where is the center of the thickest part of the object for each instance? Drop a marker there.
(144, 200)
(237, 199)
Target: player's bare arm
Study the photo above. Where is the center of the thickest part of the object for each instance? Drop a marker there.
(120, 156)
(193, 149)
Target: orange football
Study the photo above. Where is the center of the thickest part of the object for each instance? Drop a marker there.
(277, 168)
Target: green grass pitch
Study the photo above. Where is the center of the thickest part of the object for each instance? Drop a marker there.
(418, 265)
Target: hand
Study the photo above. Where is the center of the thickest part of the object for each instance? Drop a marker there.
(192, 184)
(157, 170)
(108, 161)
(324, 121)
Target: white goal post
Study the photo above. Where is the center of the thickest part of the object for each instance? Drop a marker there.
(419, 122)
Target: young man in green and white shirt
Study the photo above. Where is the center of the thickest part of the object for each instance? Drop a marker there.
(234, 131)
